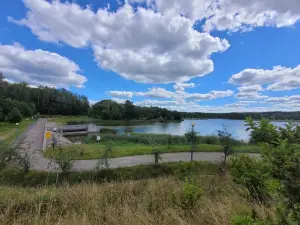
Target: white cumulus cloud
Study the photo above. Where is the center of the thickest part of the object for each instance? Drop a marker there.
(233, 15)
(38, 67)
(278, 79)
(141, 45)
(127, 94)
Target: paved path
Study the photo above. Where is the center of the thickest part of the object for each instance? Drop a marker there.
(35, 137)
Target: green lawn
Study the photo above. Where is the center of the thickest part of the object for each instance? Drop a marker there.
(94, 151)
(9, 131)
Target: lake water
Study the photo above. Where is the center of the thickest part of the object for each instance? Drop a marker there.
(204, 127)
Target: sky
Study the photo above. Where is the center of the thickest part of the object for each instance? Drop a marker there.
(192, 55)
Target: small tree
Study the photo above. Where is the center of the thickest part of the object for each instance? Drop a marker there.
(156, 155)
(14, 116)
(261, 132)
(64, 161)
(226, 140)
(104, 160)
(191, 137)
(284, 164)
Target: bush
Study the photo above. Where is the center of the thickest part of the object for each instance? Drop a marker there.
(251, 173)
(246, 220)
(14, 116)
(191, 194)
(64, 162)
(284, 164)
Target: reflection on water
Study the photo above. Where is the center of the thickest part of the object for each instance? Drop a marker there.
(204, 127)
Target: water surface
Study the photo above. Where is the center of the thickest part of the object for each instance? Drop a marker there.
(204, 127)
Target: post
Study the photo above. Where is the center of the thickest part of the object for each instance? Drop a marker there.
(193, 142)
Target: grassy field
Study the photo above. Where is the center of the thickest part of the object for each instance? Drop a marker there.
(95, 151)
(85, 119)
(160, 201)
(65, 119)
(9, 131)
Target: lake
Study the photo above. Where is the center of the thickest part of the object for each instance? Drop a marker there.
(204, 127)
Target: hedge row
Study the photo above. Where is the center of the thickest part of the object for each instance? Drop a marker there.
(12, 176)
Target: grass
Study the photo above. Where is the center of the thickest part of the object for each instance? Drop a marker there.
(65, 119)
(120, 149)
(10, 131)
(147, 201)
(85, 119)
(15, 177)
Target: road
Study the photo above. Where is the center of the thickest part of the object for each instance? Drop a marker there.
(34, 139)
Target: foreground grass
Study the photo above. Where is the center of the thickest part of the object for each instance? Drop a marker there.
(9, 131)
(120, 149)
(152, 202)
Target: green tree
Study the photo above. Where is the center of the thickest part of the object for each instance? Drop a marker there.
(128, 110)
(261, 132)
(226, 140)
(14, 116)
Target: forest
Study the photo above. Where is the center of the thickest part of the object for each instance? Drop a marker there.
(19, 100)
(111, 110)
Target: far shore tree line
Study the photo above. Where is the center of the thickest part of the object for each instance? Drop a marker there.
(19, 100)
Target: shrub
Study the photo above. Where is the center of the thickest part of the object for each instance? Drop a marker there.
(191, 194)
(104, 160)
(64, 162)
(261, 132)
(251, 173)
(14, 116)
(284, 164)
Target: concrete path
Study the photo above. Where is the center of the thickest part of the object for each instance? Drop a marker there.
(35, 137)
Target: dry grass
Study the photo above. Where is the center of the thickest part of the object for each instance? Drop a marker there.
(155, 201)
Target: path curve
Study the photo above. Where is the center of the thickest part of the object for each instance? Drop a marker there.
(35, 136)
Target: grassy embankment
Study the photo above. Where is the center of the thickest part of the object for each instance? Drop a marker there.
(95, 151)
(10, 131)
(164, 201)
(84, 119)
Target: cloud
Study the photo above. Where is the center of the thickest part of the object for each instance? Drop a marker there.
(211, 95)
(290, 99)
(127, 94)
(250, 95)
(149, 102)
(179, 97)
(140, 45)
(156, 92)
(239, 106)
(252, 88)
(278, 79)
(38, 67)
(182, 86)
(233, 15)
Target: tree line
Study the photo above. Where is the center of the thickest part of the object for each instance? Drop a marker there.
(18, 100)
(242, 115)
(111, 110)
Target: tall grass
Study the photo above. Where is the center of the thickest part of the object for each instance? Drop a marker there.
(154, 201)
(162, 139)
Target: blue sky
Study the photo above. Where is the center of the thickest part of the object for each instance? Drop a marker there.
(212, 56)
